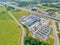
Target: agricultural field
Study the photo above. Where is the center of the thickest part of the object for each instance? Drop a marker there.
(50, 40)
(10, 33)
(19, 14)
(58, 15)
(42, 8)
(59, 37)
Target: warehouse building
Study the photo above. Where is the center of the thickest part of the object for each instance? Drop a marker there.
(38, 26)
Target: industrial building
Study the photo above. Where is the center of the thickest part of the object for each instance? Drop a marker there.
(38, 26)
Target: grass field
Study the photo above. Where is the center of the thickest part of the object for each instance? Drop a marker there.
(50, 41)
(59, 37)
(43, 8)
(10, 33)
(19, 14)
(58, 15)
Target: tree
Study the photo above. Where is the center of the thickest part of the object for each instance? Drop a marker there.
(32, 41)
(10, 8)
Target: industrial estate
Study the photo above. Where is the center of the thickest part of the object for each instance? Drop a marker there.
(26, 22)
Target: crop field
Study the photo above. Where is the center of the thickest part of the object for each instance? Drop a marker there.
(10, 33)
(23, 13)
(19, 14)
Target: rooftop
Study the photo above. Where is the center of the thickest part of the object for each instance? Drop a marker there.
(37, 25)
(29, 20)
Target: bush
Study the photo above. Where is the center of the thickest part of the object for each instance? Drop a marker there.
(10, 8)
(32, 41)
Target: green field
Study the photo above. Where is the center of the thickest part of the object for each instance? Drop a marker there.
(10, 33)
(59, 37)
(42, 8)
(19, 14)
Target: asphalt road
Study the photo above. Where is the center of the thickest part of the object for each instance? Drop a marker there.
(22, 38)
(35, 12)
(56, 40)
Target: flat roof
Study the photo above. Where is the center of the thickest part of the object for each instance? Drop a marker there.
(29, 20)
(37, 25)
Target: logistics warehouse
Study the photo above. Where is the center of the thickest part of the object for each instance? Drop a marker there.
(38, 26)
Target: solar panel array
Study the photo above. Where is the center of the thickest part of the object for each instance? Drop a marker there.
(31, 22)
(43, 31)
